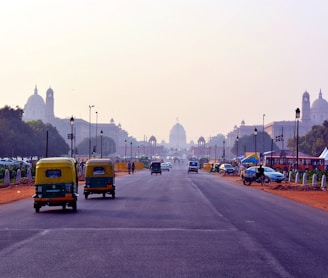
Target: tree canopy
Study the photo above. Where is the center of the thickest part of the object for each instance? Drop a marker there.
(108, 146)
(18, 138)
(314, 142)
(247, 143)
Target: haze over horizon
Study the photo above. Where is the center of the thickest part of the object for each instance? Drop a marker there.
(209, 64)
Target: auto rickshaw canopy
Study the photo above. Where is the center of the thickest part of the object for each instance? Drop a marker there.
(56, 170)
(99, 167)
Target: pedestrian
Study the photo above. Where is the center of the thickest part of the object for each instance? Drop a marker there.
(129, 167)
(132, 167)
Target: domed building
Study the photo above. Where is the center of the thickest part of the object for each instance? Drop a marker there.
(38, 109)
(319, 110)
(178, 138)
(311, 115)
(34, 108)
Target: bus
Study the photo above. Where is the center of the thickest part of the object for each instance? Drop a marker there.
(288, 162)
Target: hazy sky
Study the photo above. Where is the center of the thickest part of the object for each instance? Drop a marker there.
(208, 63)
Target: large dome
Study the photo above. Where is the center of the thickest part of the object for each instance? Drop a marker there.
(178, 137)
(34, 108)
(319, 110)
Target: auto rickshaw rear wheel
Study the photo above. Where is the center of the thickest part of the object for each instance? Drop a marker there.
(74, 206)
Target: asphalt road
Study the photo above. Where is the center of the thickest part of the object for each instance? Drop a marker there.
(170, 225)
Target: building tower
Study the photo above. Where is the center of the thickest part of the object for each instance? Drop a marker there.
(306, 108)
(49, 113)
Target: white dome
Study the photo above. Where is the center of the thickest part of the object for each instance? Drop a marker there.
(178, 137)
(319, 110)
(34, 108)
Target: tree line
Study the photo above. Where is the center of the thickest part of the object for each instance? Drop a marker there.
(18, 138)
(314, 142)
(35, 138)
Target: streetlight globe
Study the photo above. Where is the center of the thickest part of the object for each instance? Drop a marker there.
(72, 121)
(297, 113)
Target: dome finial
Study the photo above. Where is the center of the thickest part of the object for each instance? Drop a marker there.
(36, 90)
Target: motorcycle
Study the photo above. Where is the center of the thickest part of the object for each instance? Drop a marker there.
(249, 177)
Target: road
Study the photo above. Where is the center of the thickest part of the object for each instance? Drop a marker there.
(170, 225)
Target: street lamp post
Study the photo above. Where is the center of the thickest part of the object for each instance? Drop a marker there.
(255, 134)
(72, 134)
(223, 155)
(131, 151)
(215, 154)
(297, 115)
(96, 132)
(125, 150)
(101, 143)
(237, 143)
(263, 135)
(90, 106)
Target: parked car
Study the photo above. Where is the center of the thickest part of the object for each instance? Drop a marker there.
(273, 175)
(9, 162)
(24, 163)
(226, 168)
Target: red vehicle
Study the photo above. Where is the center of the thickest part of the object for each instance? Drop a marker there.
(286, 163)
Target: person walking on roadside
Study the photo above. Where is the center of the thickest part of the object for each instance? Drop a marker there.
(129, 167)
(132, 167)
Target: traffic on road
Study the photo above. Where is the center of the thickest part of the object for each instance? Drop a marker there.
(170, 225)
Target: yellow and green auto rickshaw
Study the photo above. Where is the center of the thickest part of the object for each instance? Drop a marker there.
(56, 183)
(99, 177)
(155, 168)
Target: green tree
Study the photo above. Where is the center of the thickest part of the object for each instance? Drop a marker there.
(14, 133)
(314, 142)
(18, 138)
(109, 146)
(247, 144)
(46, 134)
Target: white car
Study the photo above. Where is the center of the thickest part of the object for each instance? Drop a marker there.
(165, 166)
(8, 162)
(269, 172)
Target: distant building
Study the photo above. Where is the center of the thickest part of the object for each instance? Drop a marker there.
(311, 115)
(178, 138)
(38, 109)
(34, 108)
